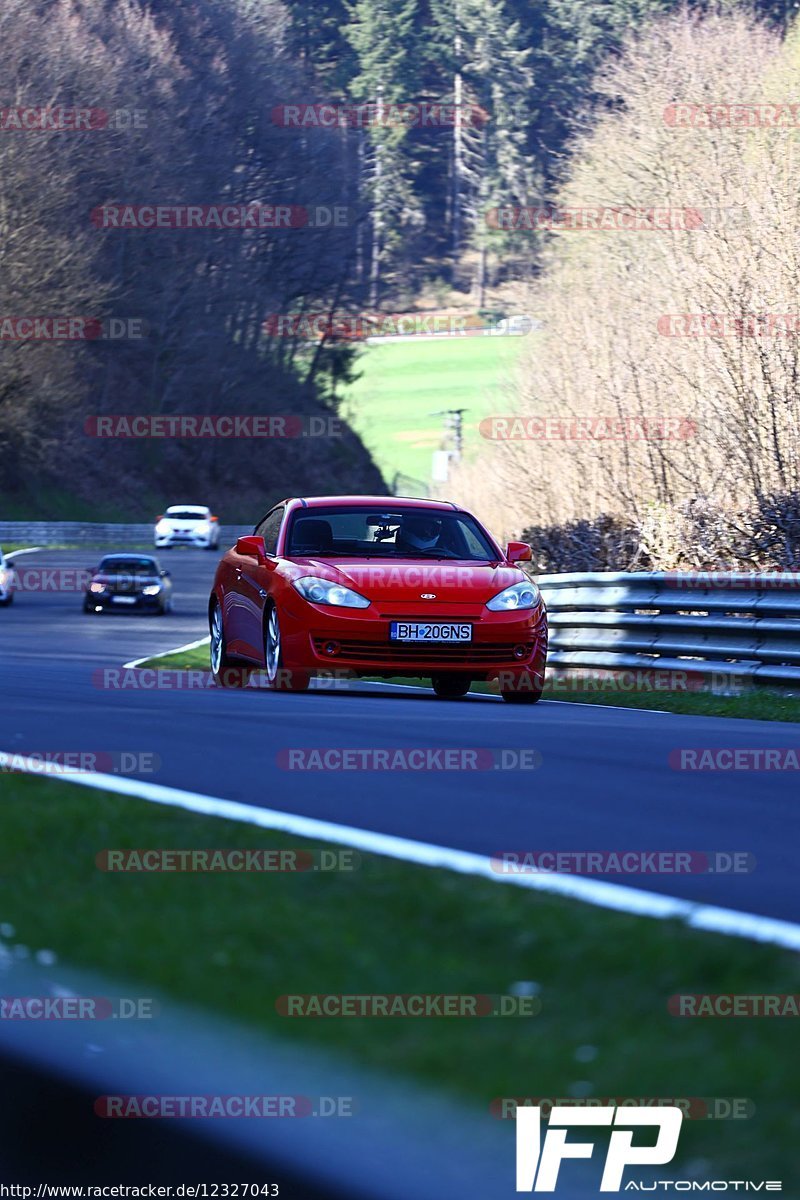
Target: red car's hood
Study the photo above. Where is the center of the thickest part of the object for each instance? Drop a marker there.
(402, 579)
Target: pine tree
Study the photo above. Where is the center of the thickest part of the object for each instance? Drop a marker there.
(491, 88)
(382, 34)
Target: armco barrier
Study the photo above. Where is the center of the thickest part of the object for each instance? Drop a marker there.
(87, 533)
(744, 624)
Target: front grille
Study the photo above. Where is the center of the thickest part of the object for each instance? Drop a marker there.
(394, 653)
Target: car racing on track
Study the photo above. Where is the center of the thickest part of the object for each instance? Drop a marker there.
(377, 586)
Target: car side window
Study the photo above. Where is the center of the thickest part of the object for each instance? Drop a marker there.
(270, 528)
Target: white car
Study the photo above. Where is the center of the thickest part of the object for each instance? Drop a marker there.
(8, 580)
(187, 525)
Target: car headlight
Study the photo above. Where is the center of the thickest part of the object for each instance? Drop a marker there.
(97, 587)
(322, 591)
(519, 595)
(152, 589)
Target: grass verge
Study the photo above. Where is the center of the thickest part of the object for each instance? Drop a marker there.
(233, 943)
(755, 704)
(403, 383)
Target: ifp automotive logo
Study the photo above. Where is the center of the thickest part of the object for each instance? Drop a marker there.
(538, 1165)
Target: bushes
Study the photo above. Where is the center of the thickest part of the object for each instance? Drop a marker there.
(693, 536)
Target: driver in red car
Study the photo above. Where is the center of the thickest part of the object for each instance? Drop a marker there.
(419, 533)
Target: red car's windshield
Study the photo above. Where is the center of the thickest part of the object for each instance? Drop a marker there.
(392, 532)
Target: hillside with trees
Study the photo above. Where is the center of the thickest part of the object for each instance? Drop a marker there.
(548, 107)
(697, 326)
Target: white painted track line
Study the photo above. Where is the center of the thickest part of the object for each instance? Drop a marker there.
(135, 662)
(589, 891)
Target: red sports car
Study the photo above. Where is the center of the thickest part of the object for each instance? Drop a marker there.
(377, 585)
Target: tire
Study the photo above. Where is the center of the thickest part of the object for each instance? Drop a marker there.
(280, 677)
(228, 672)
(451, 687)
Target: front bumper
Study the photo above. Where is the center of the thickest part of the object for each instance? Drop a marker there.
(503, 644)
(112, 603)
(162, 541)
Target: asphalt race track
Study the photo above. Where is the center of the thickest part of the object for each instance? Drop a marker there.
(604, 782)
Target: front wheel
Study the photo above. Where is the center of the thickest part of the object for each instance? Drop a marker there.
(279, 676)
(451, 687)
(227, 672)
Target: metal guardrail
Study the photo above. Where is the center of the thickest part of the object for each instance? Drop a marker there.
(716, 623)
(720, 623)
(87, 533)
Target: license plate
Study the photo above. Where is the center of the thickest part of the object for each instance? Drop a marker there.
(425, 631)
(124, 599)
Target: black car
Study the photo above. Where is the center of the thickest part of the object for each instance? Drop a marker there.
(129, 582)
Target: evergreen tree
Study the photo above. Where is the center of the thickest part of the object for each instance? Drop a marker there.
(382, 33)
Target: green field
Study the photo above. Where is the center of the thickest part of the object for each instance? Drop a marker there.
(403, 382)
(233, 943)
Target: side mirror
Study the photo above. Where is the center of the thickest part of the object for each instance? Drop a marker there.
(519, 552)
(165, 574)
(252, 547)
